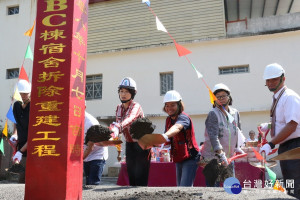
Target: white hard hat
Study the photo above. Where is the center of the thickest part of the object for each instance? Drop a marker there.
(24, 86)
(221, 86)
(172, 96)
(273, 70)
(128, 83)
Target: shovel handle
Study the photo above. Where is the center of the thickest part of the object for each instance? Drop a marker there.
(236, 157)
(273, 151)
(263, 136)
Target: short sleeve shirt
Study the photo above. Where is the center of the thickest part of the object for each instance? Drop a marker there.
(287, 109)
(98, 152)
(183, 120)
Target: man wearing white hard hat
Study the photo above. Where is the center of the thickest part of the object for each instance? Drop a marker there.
(285, 127)
(221, 136)
(20, 133)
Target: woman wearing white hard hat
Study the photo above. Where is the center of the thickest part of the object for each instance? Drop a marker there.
(179, 130)
(20, 132)
(221, 136)
(137, 159)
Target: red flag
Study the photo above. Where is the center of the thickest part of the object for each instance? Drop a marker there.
(258, 156)
(181, 50)
(23, 74)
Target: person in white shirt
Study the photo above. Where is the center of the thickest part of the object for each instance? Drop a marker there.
(94, 157)
(285, 131)
(252, 137)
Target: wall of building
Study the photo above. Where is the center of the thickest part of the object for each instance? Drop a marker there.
(247, 89)
(250, 96)
(264, 25)
(13, 46)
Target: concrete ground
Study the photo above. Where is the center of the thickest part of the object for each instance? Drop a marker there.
(108, 190)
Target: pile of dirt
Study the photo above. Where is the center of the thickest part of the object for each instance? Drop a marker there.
(214, 171)
(98, 133)
(165, 195)
(140, 127)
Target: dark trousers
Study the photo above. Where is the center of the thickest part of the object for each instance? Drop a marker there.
(93, 171)
(138, 164)
(22, 174)
(291, 168)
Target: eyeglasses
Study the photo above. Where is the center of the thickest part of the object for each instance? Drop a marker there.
(221, 97)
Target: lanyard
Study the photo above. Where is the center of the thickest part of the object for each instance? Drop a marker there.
(229, 145)
(276, 101)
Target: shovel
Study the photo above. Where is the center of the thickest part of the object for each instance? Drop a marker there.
(110, 143)
(236, 157)
(15, 168)
(288, 155)
(263, 163)
(150, 140)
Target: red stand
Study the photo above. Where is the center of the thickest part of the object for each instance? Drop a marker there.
(54, 155)
(163, 174)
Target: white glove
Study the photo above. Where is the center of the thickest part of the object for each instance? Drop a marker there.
(114, 127)
(266, 148)
(115, 131)
(223, 158)
(239, 150)
(13, 140)
(264, 127)
(166, 137)
(17, 157)
(116, 124)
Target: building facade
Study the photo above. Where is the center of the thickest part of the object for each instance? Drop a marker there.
(228, 45)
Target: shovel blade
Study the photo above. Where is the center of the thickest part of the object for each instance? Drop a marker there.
(288, 155)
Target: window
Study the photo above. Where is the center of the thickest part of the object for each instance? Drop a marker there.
(13, 10)
(234, 69)
(12, 73)
(166, 82)
(93, 87)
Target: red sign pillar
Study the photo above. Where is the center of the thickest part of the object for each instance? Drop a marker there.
(55, 140)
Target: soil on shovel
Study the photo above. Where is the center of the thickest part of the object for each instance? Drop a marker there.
(214, 171)
(98, 133)
(140, 127)
(16, 168)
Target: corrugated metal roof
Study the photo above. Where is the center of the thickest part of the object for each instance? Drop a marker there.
(118, 24)
(241, 9)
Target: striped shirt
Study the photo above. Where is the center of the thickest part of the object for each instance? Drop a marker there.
(126, 117)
